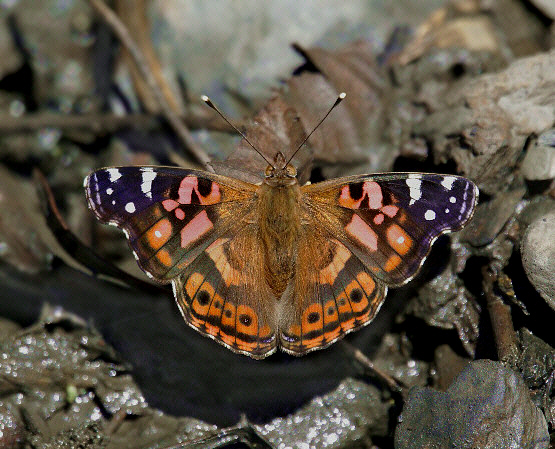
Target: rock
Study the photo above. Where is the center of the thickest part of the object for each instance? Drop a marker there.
(483, 124)
(545, 6)
(539, 162)
(11, 427)
(350, 413)
(488, 406)
(538, 256)
(490, 218)
(536, 364)
(445, 302)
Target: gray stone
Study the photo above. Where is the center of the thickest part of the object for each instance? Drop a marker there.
(538, 256)
(539, 162)
(488, 406)
(348, 414)
(545, 6)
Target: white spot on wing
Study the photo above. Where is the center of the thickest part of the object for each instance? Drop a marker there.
(109, 191)
(148, 177)
(158, 234)
(130, 207)
(453, 200)
(430, 215)
(114, 174)
(400, 240)
(448, 182)
(446, 211)
(414, 189)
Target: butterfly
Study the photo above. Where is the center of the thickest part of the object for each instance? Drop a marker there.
(277, 264)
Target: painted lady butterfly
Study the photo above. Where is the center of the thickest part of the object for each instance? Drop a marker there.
(277, 264)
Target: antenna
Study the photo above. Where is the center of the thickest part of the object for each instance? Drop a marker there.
(340, 98)
(211, 105)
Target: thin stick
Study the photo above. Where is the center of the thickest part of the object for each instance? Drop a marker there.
(95, 122)
(501, 320)
(392, 383)
(213, 106)
(102, 122)
(173, 119)
(340, 98)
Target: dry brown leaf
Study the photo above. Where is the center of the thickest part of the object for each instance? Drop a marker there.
(347, 137)
(275, 128)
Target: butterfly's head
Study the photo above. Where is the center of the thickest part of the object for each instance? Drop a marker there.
(280, 172)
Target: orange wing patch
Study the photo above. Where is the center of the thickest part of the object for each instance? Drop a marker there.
(332, 325)
(217, 253)
(329, 273)
(392, 263)
(159, 234)
(164, 258)
(398, 239)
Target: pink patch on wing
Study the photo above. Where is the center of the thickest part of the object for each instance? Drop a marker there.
(360, 231)
(188, 184)
(346, 200)
(195, 229)
(370, 190)
(390, 210)
(374, 192)
(378, 219)
(170, 205)
(180, 214)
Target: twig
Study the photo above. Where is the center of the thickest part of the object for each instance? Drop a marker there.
(103, 123)
(244, 432)
(173, 119)
(80, 252)
(115, 422)
(97, 123)
(133, 14)
(501, 321)
(392, 383)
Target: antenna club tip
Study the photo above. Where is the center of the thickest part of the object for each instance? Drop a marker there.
(342, 95)
(204, 98)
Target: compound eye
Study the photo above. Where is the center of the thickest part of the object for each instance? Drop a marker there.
(269, 171)
(291, 171)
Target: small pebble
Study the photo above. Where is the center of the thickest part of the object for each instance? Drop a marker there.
(538, 256)
(539, 162)
(11, 429)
